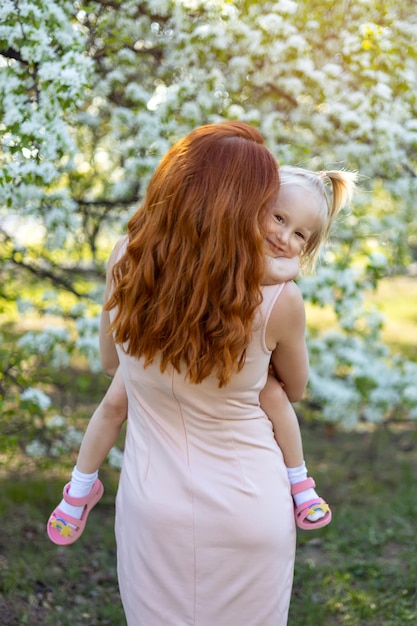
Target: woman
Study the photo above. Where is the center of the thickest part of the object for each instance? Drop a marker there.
(204, 516)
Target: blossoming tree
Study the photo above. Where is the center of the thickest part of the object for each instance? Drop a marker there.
(92, 93)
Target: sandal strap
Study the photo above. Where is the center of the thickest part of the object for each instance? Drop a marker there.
(318, 506)
(308, 483)
(307, 508)
(83, 501)
(65, 517)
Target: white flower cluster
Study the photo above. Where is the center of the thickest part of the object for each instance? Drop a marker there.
(356, 380)
(51, 341)
(36, 397)
(36, 449)
(341, 288)
(87, 340)
(66, 439)
(115, 458)
(40, 88)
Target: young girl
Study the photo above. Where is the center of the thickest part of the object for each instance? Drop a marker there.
(295, 232)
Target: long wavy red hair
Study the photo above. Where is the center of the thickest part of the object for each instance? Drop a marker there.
(188, 285)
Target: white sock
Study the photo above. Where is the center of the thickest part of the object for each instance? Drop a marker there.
(296, 475)
(81, 485)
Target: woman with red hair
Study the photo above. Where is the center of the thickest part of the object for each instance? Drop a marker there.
(204, 515)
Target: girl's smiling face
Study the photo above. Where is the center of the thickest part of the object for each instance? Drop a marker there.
(291, 221)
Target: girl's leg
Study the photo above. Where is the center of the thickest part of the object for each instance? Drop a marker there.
(101, 435)
(275, 403)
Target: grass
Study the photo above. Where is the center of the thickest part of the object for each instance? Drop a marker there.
(49, 585)
(360, 570)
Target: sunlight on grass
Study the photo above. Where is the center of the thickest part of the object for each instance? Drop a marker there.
(396, 298)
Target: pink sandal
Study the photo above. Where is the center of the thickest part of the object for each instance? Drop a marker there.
(310, 507)
(60, 525)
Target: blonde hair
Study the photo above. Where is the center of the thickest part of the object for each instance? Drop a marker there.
(342, 184)
(188, 286)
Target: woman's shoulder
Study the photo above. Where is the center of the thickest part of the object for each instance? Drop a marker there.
(118, 250)
(291, 294)
(286, 296)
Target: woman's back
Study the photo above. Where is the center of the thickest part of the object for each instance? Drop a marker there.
(204, 498)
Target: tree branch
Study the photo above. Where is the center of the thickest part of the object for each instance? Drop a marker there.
(11, 53)
(282, 94)
(409, 170)
(39, 272)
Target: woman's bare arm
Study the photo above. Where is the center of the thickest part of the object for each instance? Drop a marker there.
(108, 352)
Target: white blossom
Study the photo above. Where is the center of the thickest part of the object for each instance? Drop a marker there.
(288, 7)
(271, 23)
(115, 458)
(42, 342)
(36, 449)
(56, 421)
(72, 437)
(36, 396)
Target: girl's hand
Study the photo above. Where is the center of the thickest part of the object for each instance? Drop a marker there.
(280, 270)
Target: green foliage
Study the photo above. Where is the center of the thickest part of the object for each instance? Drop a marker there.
(39, 390)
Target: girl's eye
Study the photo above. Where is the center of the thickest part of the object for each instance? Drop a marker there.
(279, 218)
(300, 235)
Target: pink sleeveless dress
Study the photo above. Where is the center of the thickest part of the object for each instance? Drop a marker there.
(204, 517)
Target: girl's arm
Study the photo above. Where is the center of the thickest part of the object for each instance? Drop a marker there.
(285, 336)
